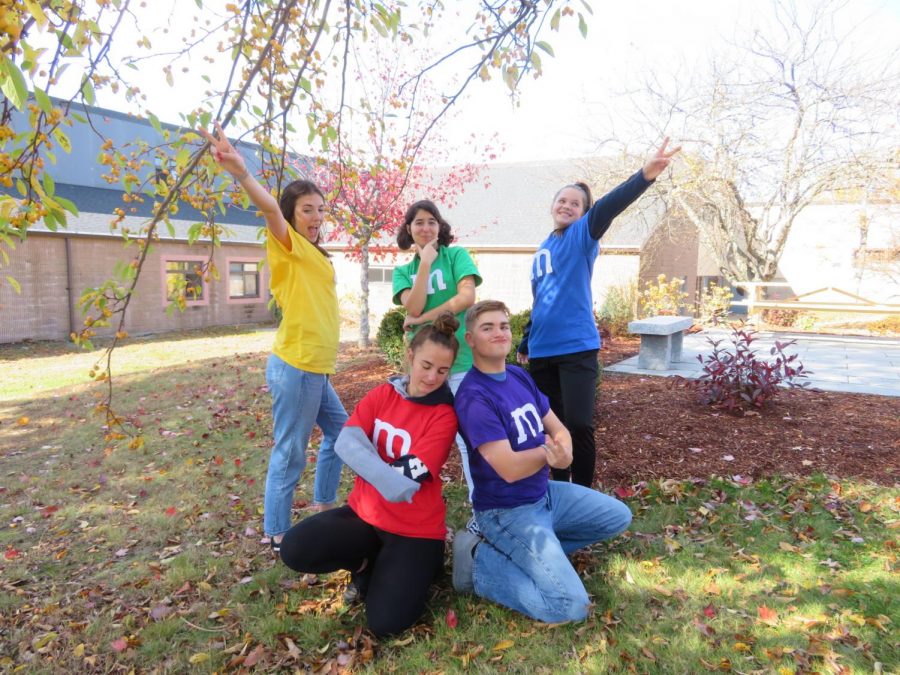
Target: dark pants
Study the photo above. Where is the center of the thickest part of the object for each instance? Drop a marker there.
(398, 570)
(570, 382)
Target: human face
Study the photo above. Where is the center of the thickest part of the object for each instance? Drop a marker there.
(567, 207)
(309, 214)
(491, 337)
(424, 228)
(429, 367)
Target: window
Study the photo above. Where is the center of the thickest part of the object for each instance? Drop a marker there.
(243, 280)
(381, 275)
(186, 274)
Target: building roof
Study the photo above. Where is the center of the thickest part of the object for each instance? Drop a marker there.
(514, 210)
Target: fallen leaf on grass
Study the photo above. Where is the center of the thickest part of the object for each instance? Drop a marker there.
(198, 658)
(22, 421)
(767, 615)
(503, 645)
(728, 458)
(254, 656)
(452, 621)
(119, 645)
(709, 611)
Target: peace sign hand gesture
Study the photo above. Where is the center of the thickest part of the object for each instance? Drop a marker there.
(225, 153)
(660, 160)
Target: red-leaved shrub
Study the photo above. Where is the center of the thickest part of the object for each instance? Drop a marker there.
(737, 377)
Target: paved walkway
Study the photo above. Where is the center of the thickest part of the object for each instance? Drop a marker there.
(862, 365)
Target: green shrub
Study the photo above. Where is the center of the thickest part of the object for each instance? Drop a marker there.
(390, 338)
(715, 304)
(618, 309)
(517, 326)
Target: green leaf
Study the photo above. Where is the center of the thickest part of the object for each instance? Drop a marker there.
(545, 46)
(305, 85)
(194, 232)
(554, 21)
(582, 25)
(42, 100)
(67, 205)
(87, 90)
(12, 83)
(154, 122)
(205, 119)
(78, 118)
(47, 182)
(51, 222)
(14, 284)
(536, 61)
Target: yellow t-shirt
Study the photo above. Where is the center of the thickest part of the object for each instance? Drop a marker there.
(303, 284)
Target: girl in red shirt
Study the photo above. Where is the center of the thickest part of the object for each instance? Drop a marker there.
(390, 535)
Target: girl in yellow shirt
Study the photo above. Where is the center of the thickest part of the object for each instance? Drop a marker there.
(303, 357)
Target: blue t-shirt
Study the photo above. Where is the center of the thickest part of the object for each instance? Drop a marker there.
(490, 410)
(562, 317)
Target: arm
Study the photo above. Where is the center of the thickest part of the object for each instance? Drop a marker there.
(522, 351)
(559, 445)
(357, 451)
(230, 159)
(609, 206)
(511, 465)
(414, 299)
(464, 298)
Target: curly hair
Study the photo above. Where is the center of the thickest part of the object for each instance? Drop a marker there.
(404, 235)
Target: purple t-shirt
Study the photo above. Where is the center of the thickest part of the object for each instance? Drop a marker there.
(511, 410)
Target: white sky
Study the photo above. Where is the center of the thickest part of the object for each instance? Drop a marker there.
(563, 111)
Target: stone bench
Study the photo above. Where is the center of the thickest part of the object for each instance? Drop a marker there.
(661, 338)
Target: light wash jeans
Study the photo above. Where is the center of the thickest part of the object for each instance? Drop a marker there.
(522, 562)
(454, 381)
(300, 399)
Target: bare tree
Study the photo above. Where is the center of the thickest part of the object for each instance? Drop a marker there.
(791, 114)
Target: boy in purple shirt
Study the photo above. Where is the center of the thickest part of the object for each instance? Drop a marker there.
(528, 524)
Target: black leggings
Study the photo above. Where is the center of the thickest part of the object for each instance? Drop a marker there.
(570, 382)
(398, 570)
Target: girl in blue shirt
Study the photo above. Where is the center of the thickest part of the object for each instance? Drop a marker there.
(561, 340)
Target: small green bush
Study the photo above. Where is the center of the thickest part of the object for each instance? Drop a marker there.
(715, 304)
(390, 338)
(517, 326)
(618, 309)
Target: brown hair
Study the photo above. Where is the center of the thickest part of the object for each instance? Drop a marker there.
(482, 307)
(441, 331)
(288, 201)
(586, 191)
(404, 235)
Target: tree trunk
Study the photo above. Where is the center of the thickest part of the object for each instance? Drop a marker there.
(364, 295)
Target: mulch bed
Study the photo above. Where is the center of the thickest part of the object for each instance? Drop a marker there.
(648, 430)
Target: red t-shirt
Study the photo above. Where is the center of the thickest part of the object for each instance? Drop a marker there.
(404, 427)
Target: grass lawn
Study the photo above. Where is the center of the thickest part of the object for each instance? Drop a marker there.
(117, 559)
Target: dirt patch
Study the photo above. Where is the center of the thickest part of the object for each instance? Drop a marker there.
(647, 430)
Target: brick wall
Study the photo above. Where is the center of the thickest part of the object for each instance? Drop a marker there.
(41, 312)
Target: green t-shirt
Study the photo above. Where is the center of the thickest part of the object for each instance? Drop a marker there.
(452, 264)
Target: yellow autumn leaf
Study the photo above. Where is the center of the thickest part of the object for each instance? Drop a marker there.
(201, 657)
(78, 652)
(503, 644)
(741, 647)
(22, 421)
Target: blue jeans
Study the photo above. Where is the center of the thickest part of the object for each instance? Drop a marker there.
(454, 381)
(522, 562)
(300, 399)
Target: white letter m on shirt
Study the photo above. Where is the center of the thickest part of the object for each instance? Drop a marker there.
(523, 416)
(393, 433)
